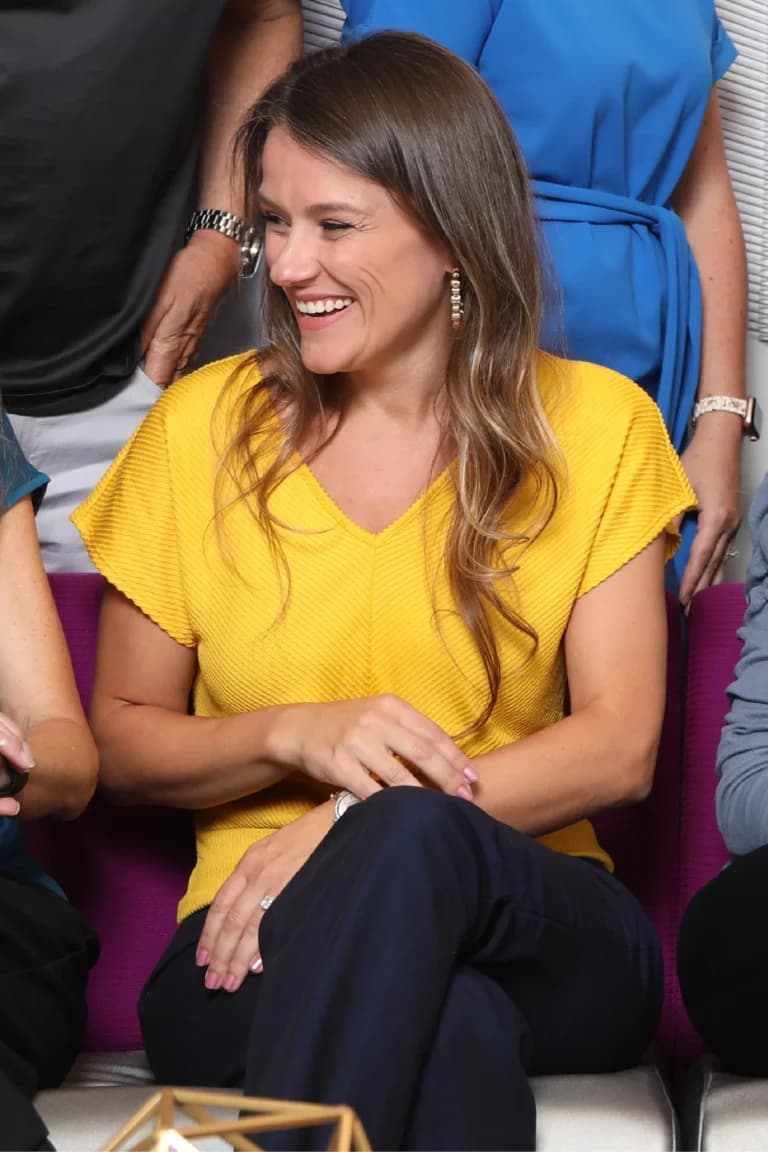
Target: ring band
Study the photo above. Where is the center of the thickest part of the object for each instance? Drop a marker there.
(731, 553)
(266, 902)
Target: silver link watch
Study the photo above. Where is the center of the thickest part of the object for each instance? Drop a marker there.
(237, 229)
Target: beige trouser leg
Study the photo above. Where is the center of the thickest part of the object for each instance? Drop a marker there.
(75, 450)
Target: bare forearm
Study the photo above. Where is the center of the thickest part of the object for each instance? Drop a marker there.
(707, 207)
(715, 237)
(254, 43)
(64, 776)
(151, 755)
(581, 765)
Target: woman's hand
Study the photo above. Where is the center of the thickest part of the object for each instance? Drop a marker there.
(367, 744)
(712, 464)
(229, 942)
(15, 749)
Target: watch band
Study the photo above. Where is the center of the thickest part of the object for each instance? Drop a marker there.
(237, 229)
(16, 780)
(745, 407)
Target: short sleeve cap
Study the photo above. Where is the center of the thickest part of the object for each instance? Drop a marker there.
(723, 49)
(18, 478)
(648, 489)
(129, 526)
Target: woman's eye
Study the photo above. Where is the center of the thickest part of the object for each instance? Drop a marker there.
(272, 220)
(335, 226)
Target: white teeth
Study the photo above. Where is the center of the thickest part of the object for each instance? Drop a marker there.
(315, 307)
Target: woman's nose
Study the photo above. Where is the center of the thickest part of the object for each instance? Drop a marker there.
(292, 261)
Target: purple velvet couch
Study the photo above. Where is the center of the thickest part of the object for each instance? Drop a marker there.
(126, 869)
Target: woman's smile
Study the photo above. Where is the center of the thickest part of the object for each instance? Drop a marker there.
(317, 312)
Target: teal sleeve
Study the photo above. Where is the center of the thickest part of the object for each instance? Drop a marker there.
(17, 476)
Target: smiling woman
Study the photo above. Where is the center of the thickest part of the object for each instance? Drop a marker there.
(375, 550)
(347, 257)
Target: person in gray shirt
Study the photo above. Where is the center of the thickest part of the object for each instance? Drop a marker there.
(723, 945)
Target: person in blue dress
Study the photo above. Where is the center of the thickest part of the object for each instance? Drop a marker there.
(614, 109)
(46, 948)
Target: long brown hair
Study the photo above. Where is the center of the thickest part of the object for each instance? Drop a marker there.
(415, 119)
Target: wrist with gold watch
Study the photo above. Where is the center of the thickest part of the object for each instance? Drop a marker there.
(745, 407)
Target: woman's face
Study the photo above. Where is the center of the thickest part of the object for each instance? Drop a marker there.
(368, 287)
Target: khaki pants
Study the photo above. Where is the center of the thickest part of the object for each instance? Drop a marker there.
(75, 450)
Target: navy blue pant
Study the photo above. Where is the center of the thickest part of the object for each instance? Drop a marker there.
(424, 961)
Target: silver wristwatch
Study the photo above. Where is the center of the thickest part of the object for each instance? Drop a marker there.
(237, 229)
(343, 802)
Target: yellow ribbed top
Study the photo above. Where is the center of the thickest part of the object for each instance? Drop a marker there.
(368, 612)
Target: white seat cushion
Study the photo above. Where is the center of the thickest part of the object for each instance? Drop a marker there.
(84, 1119)
(729, 1114)
(624, 1111)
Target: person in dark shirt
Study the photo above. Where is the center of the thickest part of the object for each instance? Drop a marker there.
(116, 123)
(46, 948)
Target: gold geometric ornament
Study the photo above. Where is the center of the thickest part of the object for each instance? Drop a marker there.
(180, 1116)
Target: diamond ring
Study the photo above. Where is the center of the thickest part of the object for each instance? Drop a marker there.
(731, 553)
(266, 902)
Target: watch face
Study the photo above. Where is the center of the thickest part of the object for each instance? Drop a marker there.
(753, 419)
(11, 781)
(249, 258)
(345, 801)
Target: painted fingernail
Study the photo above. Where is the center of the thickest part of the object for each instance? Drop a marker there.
(230, 983)
(472, 775)
(201, 957)
(212, 981)
(465, 792)
(256, 966)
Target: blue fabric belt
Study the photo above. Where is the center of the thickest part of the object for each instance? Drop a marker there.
(681, 350)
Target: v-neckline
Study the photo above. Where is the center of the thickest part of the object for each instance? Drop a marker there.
(347, 522)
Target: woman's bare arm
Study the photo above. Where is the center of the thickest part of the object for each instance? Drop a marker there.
(602, 754)
(706, 204)
(37, 685)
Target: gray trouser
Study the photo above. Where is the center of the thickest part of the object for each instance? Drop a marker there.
(75, 450)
